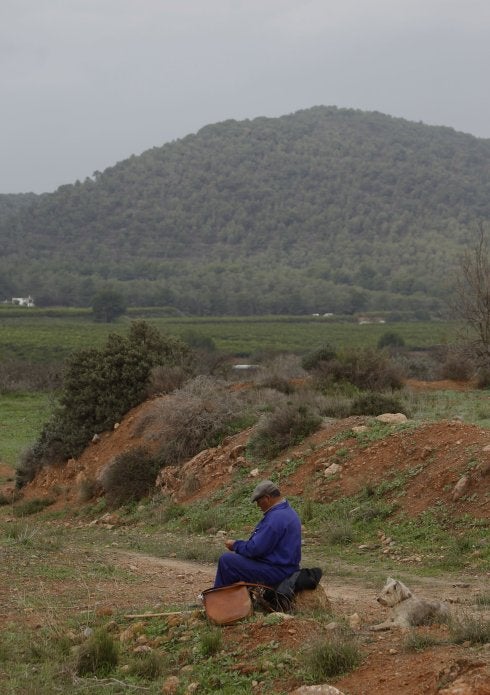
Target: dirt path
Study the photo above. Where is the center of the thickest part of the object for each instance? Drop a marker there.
(388, 668)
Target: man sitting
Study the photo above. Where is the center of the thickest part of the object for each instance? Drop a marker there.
(273, 551)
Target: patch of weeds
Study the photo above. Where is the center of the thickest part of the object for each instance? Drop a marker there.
(341, 437)
(470, 628)
(341, 533)
(98, 655)
(172, 511)
(148, 665)
(416, 642)
(289, 467)
(307, 511)
(483, 600)
(211, 641)
(33, 506)
(328, 659)
(202, 552)
(206, 520)
(397, 480)
(373, 510)
(21, 535)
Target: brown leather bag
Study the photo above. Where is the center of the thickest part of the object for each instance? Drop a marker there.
(227, 604)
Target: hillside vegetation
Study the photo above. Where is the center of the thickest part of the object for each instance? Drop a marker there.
(324, 210)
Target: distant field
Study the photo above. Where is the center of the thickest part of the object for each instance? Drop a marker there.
(51, 335)
(22, 416)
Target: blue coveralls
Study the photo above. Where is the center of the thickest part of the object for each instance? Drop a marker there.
(272, 553)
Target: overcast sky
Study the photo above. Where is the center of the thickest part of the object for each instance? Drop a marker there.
(86, 83)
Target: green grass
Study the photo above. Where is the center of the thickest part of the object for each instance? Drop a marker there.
(22, 416)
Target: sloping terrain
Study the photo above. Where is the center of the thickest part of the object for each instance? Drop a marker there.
(429, 459)
(432, 458)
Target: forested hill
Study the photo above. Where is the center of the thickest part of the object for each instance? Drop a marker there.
(323, 210)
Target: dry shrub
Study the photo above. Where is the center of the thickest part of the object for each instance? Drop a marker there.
(17, 375)
(376, 404)
(273, 381)
(483, 378)
(457, 365)
(194, 418)
(166, 379)
(284, 366)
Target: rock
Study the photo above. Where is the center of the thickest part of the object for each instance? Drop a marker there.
(359, 429)
(312, 600)
(254, 473)
(354, 621)
(171, 685)
(96, 439)
(465, 677)
(237, 451)
(323, 689)
(332, 469)
(392, 418)
(460, 488)
(116, 425)
(483, 469)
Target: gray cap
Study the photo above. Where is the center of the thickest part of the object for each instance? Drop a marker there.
(265, 487)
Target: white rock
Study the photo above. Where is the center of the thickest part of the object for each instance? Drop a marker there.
(332, 469)
(392, 418)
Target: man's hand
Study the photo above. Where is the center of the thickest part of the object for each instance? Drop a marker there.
(229, 543)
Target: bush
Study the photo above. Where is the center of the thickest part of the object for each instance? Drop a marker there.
(33, 506)
(483, 378)
(99, 387)
(130, 476)
(98, 655)
(198, 341)
(390, 339)
(284, 427)
(107, 305)
(365, 368)
(313, 359)
(376, 404)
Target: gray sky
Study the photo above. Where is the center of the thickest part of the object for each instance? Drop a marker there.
(86, 83)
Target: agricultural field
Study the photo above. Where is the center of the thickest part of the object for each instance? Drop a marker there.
(49, 336)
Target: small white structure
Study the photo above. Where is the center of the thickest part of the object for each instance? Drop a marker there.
(23, 301)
